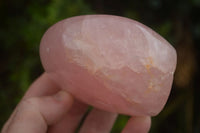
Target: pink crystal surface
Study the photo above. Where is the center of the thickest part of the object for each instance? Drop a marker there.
(110, 62)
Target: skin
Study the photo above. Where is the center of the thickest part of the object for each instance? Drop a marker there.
(45, 108)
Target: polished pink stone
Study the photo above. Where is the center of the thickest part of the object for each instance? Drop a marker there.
(110, 62)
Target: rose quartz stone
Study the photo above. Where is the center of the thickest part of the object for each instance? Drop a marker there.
(110, 62)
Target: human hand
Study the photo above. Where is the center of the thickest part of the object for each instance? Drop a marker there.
(47, 109)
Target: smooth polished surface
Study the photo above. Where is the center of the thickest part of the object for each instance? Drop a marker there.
(110, 62)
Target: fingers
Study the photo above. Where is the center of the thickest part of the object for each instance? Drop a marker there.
(138, 125)
(33, 115)
(71, 120)
(43, 86)
(98, 121)
(37, 111)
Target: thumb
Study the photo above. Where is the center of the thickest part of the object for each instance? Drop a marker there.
(33, 115)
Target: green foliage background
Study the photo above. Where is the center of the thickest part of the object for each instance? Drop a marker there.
(23, 22)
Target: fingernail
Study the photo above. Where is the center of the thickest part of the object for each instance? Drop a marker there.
(60, 95)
